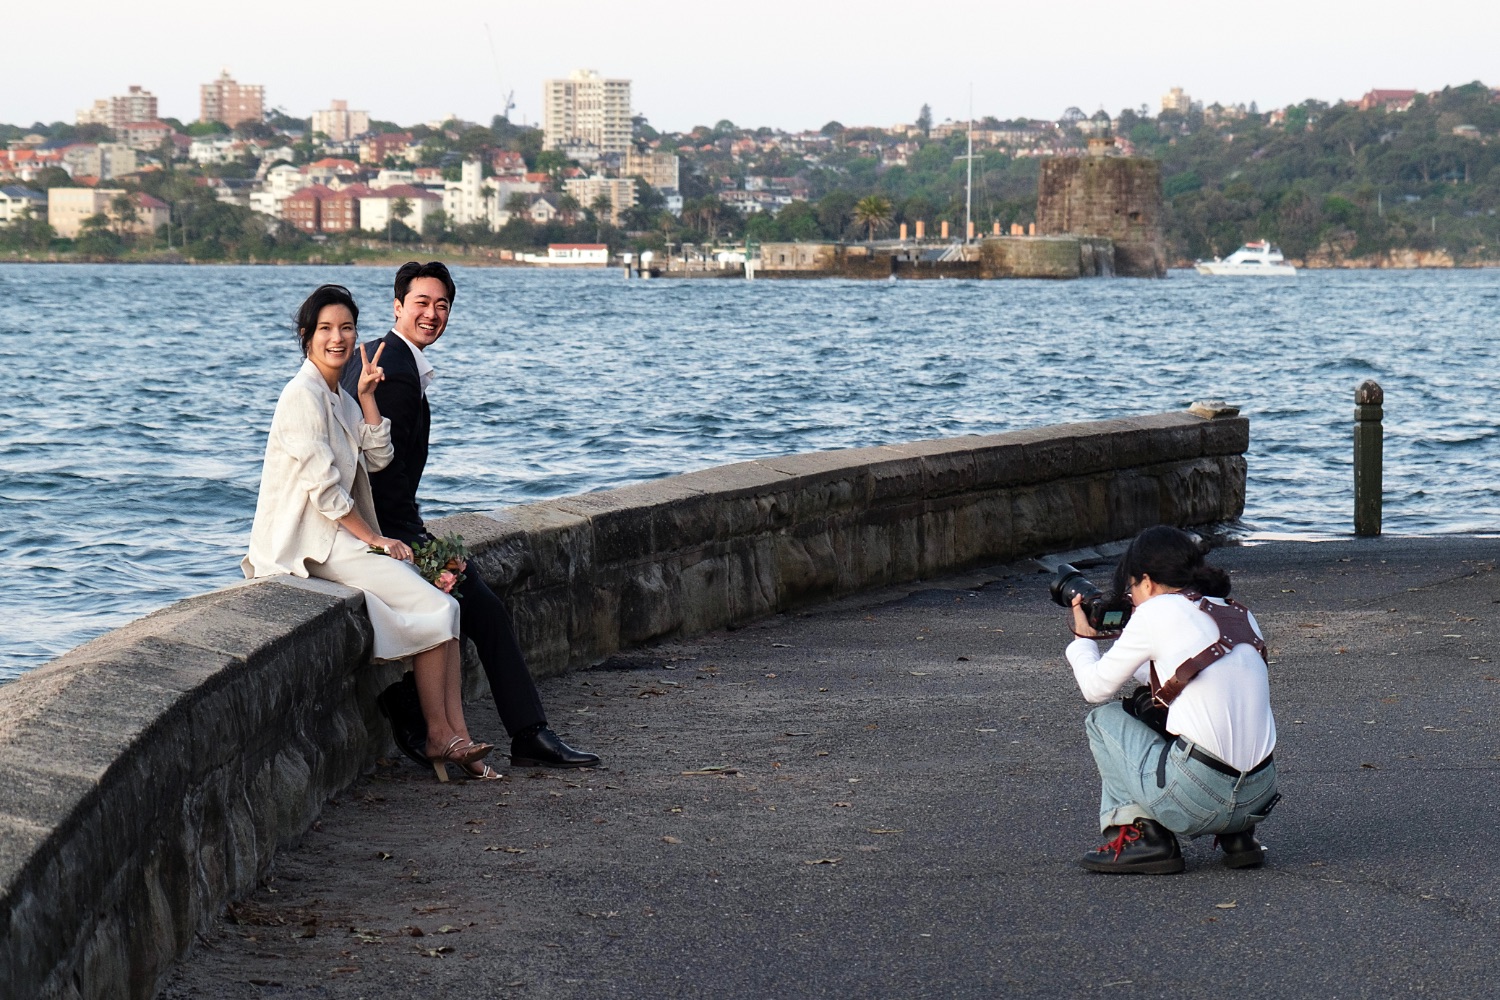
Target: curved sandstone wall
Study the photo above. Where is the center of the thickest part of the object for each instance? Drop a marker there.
(149, 776)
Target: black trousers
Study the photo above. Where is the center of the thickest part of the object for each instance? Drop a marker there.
(484, 618)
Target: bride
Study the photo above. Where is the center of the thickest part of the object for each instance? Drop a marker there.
(315, 517)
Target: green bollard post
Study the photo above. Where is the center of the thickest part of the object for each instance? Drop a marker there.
(1369, 442)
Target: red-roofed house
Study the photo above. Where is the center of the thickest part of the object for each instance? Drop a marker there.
(1390, 100)
(508, 164)
(304, 209)
(341, 208)
(150, 213)
(330, 171)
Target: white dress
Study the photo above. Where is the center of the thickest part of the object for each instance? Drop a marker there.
(318, 458)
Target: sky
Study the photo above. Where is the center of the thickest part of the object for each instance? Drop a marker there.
(783, 65)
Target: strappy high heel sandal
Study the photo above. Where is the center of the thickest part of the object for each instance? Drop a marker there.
(479, 771)
(457, 752)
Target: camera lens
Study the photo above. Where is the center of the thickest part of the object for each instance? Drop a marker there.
(1069, 583)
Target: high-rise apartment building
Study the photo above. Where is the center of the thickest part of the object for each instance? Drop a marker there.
(339, 123)
(136, 105)
(229, 102)
(1176, 100)
(586, 110)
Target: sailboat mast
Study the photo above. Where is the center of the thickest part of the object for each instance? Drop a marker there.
(969, 184)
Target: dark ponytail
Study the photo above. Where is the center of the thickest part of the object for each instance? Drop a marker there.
(1171, 557)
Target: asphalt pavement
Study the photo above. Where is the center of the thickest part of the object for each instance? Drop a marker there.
(887, 797)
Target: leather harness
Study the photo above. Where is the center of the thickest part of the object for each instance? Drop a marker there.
(1233, 620)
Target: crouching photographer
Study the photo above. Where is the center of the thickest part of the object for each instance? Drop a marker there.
(1189, 753)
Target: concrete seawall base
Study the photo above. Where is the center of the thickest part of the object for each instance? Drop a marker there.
(149, 776)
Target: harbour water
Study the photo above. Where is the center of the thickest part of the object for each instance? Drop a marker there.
(138, 397)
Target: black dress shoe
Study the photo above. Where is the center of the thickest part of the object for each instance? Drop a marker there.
(1144, 847)
(1241, 850)
(401, 707)
(543, 748)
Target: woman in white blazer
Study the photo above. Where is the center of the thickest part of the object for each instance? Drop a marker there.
(315, 517)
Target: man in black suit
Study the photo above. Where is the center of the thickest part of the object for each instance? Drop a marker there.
(424, 295)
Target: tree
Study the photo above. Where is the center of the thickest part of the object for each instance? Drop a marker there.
(27, 232)
(873, 212)
(400, 209)
(122, 207)
(518, 203)
(924, 120)
(550, 161)
(568, 208)
(96, 240)
(834, 212)
(601, 206)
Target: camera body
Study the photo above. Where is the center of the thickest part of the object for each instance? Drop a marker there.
(1106, 613)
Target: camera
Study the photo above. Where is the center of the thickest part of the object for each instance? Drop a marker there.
(1106, 613)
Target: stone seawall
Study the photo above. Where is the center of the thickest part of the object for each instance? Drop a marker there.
(148, 777)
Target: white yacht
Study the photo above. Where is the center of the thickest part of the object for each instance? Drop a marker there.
(1259, 257)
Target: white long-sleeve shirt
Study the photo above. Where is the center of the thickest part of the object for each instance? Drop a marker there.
(1226, 709)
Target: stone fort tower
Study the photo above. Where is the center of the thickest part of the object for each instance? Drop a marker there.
(1107, 196)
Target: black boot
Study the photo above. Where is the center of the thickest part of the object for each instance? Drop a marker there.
(1241, 850)
(1144, 847)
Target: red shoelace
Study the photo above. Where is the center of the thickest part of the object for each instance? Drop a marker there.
(1129, 834)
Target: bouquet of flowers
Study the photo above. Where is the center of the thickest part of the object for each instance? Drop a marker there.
(441, 561)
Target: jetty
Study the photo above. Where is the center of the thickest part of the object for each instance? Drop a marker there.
(1098, 216)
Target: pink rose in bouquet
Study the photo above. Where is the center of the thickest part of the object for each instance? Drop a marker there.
(441, 561)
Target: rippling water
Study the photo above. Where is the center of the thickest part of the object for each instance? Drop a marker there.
(133, 423)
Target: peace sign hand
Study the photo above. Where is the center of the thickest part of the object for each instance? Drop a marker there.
(371, 374)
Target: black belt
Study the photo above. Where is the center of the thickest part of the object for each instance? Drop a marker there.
(1209, 760)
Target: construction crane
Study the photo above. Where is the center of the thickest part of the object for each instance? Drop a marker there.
(510, 98)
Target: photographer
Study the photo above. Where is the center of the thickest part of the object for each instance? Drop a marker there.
(1206, 767)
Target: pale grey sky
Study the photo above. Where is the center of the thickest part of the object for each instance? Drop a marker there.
(781, 64)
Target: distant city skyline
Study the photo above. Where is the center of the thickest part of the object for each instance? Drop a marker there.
(795, 68)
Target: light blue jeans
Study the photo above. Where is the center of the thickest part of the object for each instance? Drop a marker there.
(1145, 775)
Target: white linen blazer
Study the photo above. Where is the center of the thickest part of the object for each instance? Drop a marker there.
(318, 458)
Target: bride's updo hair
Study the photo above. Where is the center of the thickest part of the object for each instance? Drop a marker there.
(1171, 557)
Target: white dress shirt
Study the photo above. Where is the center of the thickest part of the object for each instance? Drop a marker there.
(1226, 709)
(425, 373)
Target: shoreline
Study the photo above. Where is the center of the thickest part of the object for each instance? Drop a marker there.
(397, 260)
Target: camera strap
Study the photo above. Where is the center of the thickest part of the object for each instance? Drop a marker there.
(1233, 620)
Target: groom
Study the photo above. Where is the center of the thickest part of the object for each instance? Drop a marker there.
(424, 295)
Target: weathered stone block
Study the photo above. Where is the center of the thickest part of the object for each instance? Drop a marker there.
(541, 546)
(650, 603)
(948, 466)
(1226, 436)
(805, 568)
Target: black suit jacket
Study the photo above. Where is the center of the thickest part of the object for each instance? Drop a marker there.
(400, 398)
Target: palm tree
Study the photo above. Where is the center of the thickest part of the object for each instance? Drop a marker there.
(568, 207)
(122, 208)
(400, 209)
(601, 206)
(873, 212)
(518, 204)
